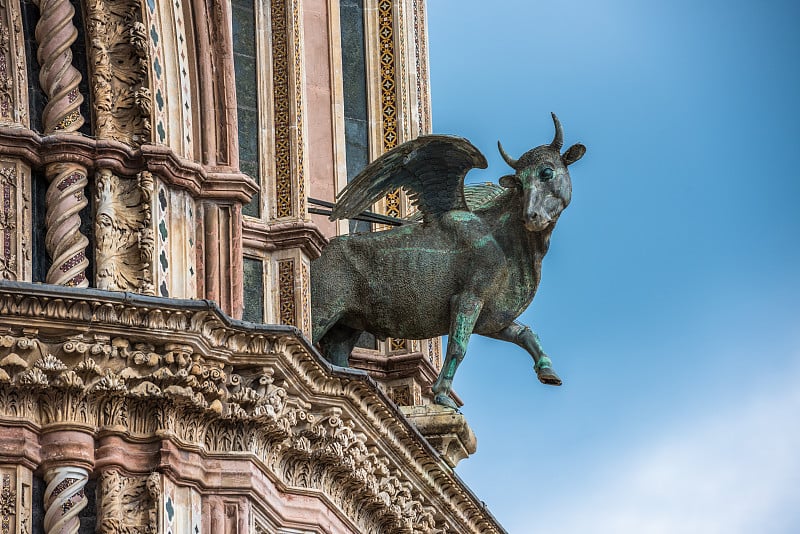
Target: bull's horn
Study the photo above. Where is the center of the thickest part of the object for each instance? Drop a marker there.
(558, 140)
(511, 161)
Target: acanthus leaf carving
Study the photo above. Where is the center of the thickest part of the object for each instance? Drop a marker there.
(127, 503)
(119, 62)
(124, 238)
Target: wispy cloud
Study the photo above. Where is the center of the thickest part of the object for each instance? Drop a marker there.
(736, 471)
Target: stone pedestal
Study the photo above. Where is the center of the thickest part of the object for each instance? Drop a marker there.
(447, 431)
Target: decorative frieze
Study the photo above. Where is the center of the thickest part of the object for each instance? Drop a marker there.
(281, 109)
(421, 64)
(15, 221)
(286, 292)
(288, 112)
(387, 74)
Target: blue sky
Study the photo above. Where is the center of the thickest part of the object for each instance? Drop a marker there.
(670, 297)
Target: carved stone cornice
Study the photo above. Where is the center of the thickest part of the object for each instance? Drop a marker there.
(144, 368)
(38, 150)
(383, 367)
(304, 235)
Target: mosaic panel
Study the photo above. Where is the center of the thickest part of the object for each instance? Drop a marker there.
(401, 395)
(287, 308)
(388, 92)
(282, 119)
(306, 299)
(253, 290)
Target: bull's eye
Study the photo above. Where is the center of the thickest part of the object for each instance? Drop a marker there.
(546, 174)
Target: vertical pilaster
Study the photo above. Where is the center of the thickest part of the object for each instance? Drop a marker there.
(222, 229)
(175, 219)
(289, 121)
(15, 198)
(182, 510)
(13, 74)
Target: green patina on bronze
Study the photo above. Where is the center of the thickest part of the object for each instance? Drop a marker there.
(470, 261)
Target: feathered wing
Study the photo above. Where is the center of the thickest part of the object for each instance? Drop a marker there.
(430, 168)
(476, 195)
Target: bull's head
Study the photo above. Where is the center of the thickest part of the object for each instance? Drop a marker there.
(543, 179)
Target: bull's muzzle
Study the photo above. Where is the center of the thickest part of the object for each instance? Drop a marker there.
(537, 221)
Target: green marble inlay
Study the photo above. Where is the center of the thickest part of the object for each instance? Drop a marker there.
(253, 290)
(245, 64)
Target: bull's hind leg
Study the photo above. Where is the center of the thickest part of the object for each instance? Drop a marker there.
(521, 335)
(338, 343)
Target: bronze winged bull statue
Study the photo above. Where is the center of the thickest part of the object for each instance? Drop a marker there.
(472, 264)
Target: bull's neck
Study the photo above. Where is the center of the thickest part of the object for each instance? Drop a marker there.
(510, 232)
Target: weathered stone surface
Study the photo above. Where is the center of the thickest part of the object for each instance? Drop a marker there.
(446, 430)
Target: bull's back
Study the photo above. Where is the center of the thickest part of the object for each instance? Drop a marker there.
(400, 282)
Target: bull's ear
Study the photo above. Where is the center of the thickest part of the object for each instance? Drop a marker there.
(573, 154)
(508, 181)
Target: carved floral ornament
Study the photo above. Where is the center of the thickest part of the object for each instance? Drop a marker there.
(148, 366)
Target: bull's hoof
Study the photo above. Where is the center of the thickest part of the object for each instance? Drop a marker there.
(545, 373)
(443, 400)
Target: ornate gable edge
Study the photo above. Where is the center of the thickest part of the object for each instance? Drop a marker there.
(147, 366)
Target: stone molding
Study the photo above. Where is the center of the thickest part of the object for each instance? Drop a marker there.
(304, 235)
(145, 368)
(38, 151)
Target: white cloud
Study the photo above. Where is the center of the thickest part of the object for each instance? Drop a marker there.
(736, 471)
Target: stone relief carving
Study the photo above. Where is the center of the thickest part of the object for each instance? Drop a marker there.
(119, 62)
(127, 503)
(244, 391)
(123, 232)
(8, 222)
(13, 75)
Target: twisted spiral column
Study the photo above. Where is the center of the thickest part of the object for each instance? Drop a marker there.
(65, 197)
(64, 499)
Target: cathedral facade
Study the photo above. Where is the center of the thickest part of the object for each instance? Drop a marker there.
(166, 169)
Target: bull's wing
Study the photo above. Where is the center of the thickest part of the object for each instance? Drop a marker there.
(476, 195)
(430, 168)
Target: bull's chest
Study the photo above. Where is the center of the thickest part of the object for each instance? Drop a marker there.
(502, 306)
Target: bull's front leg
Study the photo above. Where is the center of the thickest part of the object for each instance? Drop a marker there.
(465, 310)
(523, 336)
